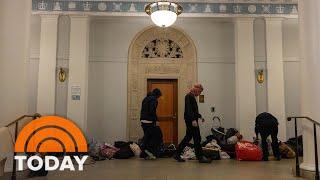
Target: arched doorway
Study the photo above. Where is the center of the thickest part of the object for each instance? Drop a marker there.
(159, 53)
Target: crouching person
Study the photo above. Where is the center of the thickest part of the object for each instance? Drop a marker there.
(152, 138)
(191, 116)
(267, 125)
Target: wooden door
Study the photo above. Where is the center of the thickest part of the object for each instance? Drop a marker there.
(167, 110)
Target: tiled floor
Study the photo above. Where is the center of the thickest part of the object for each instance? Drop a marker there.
(168, 169)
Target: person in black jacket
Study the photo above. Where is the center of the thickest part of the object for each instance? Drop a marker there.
(266, 124)
(191, 116)
(152, 138)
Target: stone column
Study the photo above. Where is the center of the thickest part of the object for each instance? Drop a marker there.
(78, 70)
(47, 65)
(275, 84)
(245, 77)
(309, 17)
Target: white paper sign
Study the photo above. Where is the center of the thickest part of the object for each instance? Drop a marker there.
(75, 93)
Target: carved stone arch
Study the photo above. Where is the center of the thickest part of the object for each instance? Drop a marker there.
(140, 69)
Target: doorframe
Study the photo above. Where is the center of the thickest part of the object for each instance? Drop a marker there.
(175, 101)
(140, 69)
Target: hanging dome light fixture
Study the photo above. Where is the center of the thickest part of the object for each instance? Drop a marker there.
(163, 13)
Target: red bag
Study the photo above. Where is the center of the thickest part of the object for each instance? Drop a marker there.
(247, 151)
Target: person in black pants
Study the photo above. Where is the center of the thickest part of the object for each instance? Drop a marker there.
(266, 124)
(152, 138)
(191, 116)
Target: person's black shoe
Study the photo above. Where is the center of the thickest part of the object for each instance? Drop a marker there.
(278, 158)
(204, 159)
(265, 159)
(178, 158)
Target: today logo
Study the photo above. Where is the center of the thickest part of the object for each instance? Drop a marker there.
(51, 134)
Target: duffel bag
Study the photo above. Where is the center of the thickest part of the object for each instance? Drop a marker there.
(247, 151)
(124, 152)
(286, 151)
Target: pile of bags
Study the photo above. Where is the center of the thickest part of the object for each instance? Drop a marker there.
(123, 150)
(225, 140)
(232, 144)
(210, 149)
(213, 151)
(217, 146)
(120, 150)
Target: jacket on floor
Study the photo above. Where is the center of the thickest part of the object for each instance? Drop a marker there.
(191, 111)
(265, 121)
(149, 108)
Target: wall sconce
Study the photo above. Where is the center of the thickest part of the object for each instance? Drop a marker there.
(260, 76)
(62, 74)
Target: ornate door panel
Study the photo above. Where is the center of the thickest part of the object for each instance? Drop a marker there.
(167, 110)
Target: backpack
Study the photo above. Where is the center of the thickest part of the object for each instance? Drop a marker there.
(124, 152)
(231, 132)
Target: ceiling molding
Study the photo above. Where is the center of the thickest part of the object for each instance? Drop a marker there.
(199, 8)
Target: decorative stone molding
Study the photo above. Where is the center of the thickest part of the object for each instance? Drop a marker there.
(140, 69)
(162, 48)
(202, 8)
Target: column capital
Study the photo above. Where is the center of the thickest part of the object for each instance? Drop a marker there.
(79, 16)
(244, 19)
(274, 19)
(49, 16)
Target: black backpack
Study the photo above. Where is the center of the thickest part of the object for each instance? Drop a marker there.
(231, 132)
(125, 151)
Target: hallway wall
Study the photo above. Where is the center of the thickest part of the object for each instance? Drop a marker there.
(14, 39)
(107, 83)
(291, 69)
(110, 39)
(215, 48)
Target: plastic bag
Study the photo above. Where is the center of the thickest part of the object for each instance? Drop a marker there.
(188, 154)
(213, 145)
(135, 149)
(247, 151)
(224, 155)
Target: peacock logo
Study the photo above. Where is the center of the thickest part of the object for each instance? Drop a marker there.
(51, 134)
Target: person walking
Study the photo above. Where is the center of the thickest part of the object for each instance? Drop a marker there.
(191, 116)
(152, 137)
